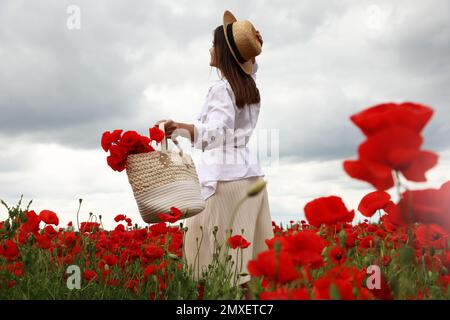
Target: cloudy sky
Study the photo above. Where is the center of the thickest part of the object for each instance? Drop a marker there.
(133, 63)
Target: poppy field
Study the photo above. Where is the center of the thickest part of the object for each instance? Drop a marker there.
(403, 255)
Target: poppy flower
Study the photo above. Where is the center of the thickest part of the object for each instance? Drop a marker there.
(90, 275)
(32, 223)
(367, 242)
(429, 206)
(339, 283)
(273, 267)
(43, 241)
(305, 248)
(117, 158)
(372, 202)
(158, 229)
(50, 231)
(150, 270)
(130, 140)
(393, 148)
(176, 214)
(156, 134)
(89, 226)
(120, 228)
(327, 210)
(238, 241)
(431, 235)
(152, 252)
(9, 250)
(49, 217)
(413, 116)
(119, 217)
(108, 138)
(337, 255)
(110, 259)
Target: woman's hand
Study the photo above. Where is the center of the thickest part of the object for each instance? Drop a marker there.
(169, 127)
(185, 129)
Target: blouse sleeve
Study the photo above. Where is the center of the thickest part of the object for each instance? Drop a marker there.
(220, 116)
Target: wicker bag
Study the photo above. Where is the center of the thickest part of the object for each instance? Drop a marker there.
(164, 179)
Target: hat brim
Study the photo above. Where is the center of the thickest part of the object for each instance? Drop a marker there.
(228, 18)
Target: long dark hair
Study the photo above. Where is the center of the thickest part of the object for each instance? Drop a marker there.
(243, 84)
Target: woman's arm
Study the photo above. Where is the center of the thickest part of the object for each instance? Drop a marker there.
(186, 129)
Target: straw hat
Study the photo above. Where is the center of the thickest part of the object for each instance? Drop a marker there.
(242, 40)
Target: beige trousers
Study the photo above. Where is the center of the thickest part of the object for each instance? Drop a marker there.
(253, 216)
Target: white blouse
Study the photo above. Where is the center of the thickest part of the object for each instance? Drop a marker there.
(222, 132)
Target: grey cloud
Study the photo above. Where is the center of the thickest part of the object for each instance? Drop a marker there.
(320, 64)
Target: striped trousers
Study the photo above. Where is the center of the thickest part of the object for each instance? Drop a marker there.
(253, 218)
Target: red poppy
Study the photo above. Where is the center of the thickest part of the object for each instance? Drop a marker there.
(150, 270)
(176, 214)
(238, 241)
(50, 231)
(337, 255)
(152, 252)
(273, 267)
(327, 210)
(49, 217)
(429, 206)
(89, 226)
(110, 259)
(43, 241)
(130, 140)
(119, 217)
(32, 223)
(431, 235)
(341, 283)
(394, 148)
(108, 138)
(120, 228)
(305, 248)
(373, 201)
(90, 275)
(158, 229)
(156, 134)
(367, 242)
(9, 250)
(410, 115)
(117, 159)
(379, 176)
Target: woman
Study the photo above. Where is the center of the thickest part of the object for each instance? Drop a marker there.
(222, 130)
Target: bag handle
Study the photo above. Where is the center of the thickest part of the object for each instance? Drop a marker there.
(164, 141)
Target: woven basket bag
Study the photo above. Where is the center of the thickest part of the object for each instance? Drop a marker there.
(164, 179)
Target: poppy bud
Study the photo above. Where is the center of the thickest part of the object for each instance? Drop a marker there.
(432, 251)
(256, 188)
